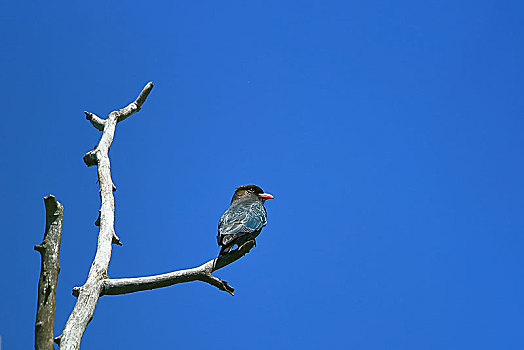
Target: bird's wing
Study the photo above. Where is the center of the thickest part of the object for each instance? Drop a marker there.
(240, 220)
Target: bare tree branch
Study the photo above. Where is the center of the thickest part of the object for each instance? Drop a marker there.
(89, 293)
(95, 120)
(98, 283)
(49, 250)
(201, 273)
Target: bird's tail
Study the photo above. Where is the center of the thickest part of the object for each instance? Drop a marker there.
(225, 249)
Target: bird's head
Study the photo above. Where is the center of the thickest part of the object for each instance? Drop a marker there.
(251, 191)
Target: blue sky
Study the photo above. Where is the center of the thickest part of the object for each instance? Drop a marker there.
(389, 132)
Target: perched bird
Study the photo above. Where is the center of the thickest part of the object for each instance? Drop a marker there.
(244, 219)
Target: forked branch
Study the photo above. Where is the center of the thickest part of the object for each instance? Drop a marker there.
(89, 293)
(98, 283)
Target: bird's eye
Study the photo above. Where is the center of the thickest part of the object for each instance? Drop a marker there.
(251, 190)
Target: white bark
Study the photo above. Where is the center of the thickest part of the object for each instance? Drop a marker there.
(98, 283)
(88, 294)
(201, 273)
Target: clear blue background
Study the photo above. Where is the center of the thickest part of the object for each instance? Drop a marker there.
(390, 133)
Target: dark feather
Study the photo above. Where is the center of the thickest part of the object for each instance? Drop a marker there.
(245, 216)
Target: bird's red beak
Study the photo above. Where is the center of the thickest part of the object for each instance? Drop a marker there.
(266, 196)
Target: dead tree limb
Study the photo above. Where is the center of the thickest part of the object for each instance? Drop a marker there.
(98, 283)
(49, 250)
(89, 293)
(201, 273)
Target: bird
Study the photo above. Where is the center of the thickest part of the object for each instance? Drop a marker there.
(244, 219)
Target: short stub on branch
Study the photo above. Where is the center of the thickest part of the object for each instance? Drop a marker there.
(57, 339)
(90, 158)
(39, 248)
(219, 283)
(116, 240)
(97, 122)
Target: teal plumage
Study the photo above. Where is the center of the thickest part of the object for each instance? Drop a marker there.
(244, 219)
